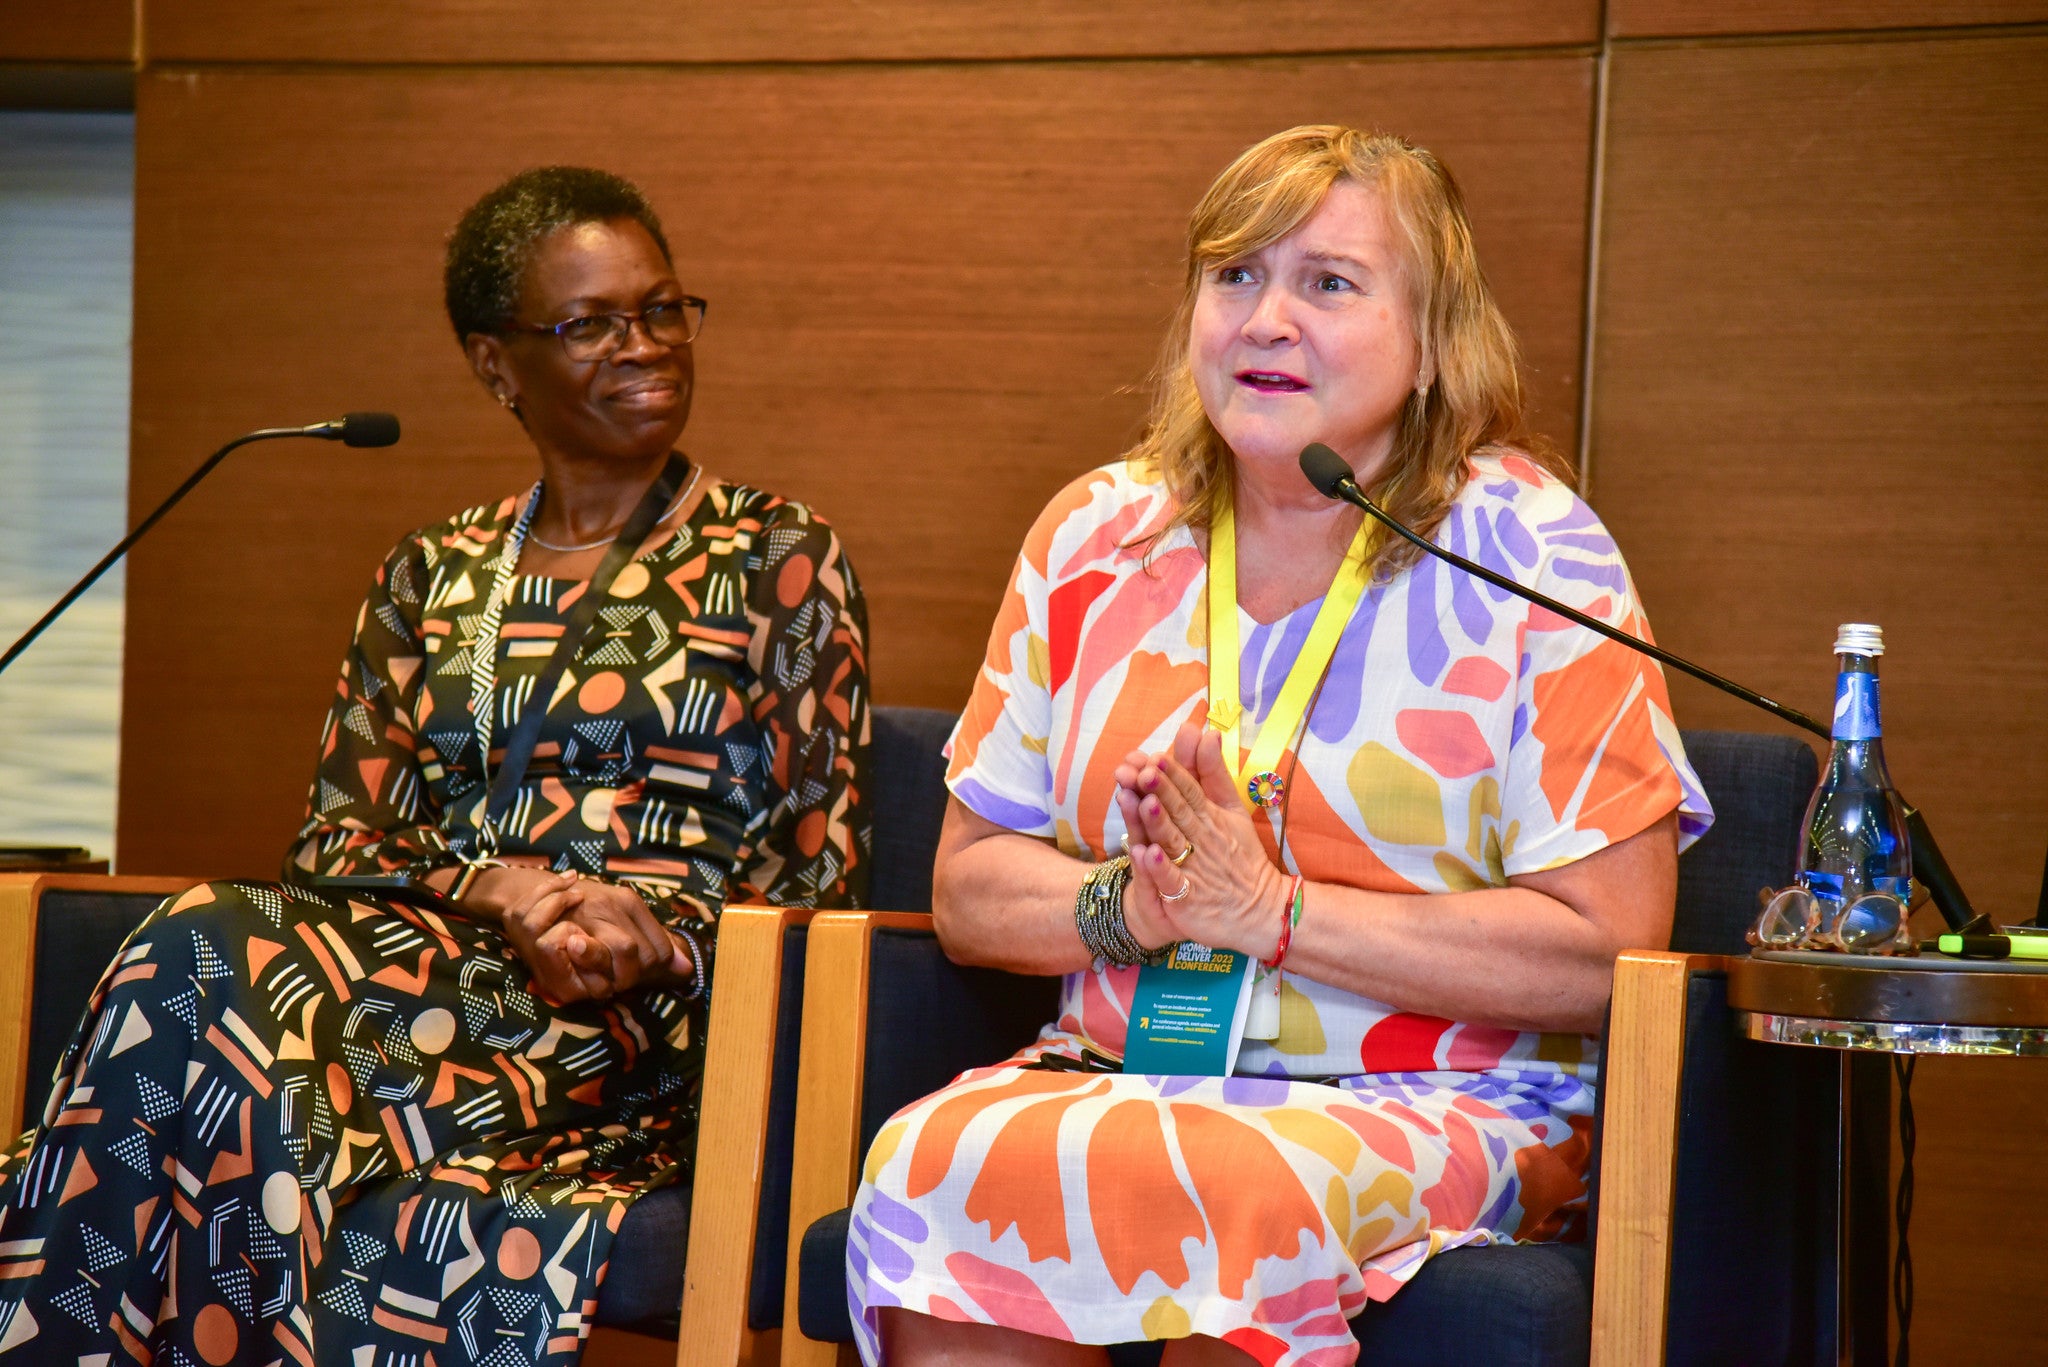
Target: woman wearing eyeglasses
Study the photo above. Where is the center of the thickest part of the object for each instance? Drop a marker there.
(343, 1128)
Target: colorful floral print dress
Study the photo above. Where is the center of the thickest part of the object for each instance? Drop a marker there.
(1462, 738)
(305, 1128)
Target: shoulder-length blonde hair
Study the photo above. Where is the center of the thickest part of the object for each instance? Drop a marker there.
(1468, 395)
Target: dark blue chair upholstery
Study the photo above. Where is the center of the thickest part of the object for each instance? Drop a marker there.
(910, 804)
(1750, 1215)
(79, 932)
(77, 935)
(644, 1289)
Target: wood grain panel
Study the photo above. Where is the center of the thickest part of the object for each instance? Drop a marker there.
(732, 1143)
(72, 31)
(1819, 398)
(1657, 18)
(477, 31)
(933, 289)
(1644, 1062)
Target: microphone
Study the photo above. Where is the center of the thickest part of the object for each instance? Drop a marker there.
(356, 429)
(351, 429)
(1332, 478)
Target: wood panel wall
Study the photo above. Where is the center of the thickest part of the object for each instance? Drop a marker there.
(544, 31)
(1819, 396)
(1748, 18)
(940, 242)
(934, 289)
(75, 31)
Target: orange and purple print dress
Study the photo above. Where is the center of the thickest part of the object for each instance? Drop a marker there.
(1462, 738)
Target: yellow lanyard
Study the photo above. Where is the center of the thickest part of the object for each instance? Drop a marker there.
(1258, 781)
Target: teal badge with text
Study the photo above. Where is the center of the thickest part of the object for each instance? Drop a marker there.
(1187, 1019)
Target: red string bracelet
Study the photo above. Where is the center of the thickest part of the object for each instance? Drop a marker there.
(1289, 914)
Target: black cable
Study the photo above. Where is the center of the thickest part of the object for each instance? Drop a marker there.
(1902, 1259)
(1326, 470)
(1593, 624)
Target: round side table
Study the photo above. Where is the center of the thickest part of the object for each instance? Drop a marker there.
(1866, 1007)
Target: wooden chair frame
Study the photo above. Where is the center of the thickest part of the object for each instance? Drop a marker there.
(1643, 1062)
(1641, 1068)
(830, 1077)
(732, 1144)
(732, 1135)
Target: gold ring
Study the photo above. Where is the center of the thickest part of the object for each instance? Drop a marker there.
(1182, 857)
(1187, 885)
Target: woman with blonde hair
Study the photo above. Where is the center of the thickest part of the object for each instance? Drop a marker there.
(1220, 710)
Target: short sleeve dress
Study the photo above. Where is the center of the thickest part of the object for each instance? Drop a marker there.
(1462, 737)
(320, 1129)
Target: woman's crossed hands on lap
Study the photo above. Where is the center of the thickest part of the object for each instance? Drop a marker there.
(585, 940)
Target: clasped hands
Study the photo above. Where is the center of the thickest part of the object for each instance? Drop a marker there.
(1182, 804)
(583, 939)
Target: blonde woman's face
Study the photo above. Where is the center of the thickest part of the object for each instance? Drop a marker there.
(1310, 339)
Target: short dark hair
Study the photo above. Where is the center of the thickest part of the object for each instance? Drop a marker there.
(492, 246)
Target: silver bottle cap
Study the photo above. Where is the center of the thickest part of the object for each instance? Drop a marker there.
(1859, 638)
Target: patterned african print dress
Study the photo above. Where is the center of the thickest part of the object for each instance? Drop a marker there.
(1461, 738)
(314, 1129)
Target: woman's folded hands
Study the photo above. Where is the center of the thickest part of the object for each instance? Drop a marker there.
(1223, 891)
(584, 940)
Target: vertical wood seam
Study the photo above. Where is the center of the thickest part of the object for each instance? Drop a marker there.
(1596, 200)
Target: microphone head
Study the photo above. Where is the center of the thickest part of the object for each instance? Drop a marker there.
(369, 429)
(1325, 469)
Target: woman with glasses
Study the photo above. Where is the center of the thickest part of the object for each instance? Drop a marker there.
(390, 1124)
(1221, 711)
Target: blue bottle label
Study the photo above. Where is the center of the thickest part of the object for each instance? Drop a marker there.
(1856, 706)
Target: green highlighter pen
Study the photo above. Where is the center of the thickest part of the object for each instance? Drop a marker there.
(1993, 946)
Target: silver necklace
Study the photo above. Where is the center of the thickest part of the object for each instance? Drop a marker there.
(612, 535)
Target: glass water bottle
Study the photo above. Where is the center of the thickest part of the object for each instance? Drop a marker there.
(1855, 857)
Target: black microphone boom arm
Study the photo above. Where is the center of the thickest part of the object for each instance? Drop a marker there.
(352, 429)
(1332, 478)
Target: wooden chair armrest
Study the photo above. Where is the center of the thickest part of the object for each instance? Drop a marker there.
(732, 1140)
(829, 1079)
(1641, 1068)
(20, 907)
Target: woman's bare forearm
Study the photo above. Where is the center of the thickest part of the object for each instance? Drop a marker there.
(1510, 956)
(1536, 955)
(1004, 900)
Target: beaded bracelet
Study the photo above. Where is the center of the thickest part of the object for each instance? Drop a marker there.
(691, 945)
(1099, 917)
(701, 981)
(1100, 898)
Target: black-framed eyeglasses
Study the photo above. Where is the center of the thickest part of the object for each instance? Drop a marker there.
(596, 336)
